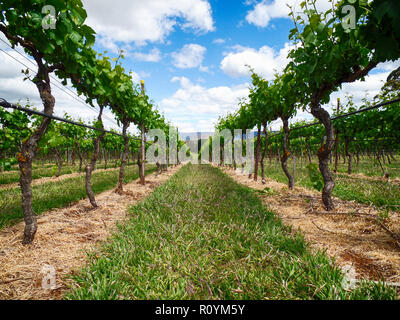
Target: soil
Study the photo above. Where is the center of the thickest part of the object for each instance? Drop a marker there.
(65, 235)
(350, 234)
(63, 238)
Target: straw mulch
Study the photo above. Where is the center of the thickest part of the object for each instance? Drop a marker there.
(63, 238)
(353, 233)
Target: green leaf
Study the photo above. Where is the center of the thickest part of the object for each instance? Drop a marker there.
(75, 37)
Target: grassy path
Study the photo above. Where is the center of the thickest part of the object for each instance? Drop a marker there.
(203, 236)
(52, 195)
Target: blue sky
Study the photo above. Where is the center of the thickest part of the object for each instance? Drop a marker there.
(230, 27)
(191, 54)
(196, 73)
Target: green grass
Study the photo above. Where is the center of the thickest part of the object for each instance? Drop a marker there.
(368, 167)
(52, 195)
(203, 236)
(372, 169)
(379, 193)
(365, 166)
(44, 171)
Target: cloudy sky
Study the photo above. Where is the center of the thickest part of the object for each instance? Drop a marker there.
(192, 55)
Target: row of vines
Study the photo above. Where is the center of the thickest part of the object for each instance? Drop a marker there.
(325, 56)
(67, 52)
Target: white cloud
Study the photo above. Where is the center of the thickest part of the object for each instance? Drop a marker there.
(4, 46)
(219, 41)
(147, 21)
(135, 77)
(190, 56)
(389, 66)
(193, 107)
(266, 10)
(361, 89)
(196, 126)
(358, 90)
(265, 61)
(204, 69)
(184, 82)
(153, 56)
(108, 44)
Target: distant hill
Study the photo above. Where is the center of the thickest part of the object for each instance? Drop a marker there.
(203, 135)
(194, 135)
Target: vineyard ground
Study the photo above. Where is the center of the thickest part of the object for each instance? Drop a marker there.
(53, 178)
(39, 172)
(347, 237)
(201, 235)
(365, 169)
(359, 187)
(63, 238)
(52, 195)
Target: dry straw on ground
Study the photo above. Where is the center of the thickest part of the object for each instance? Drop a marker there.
(351, 233)
(63, 237)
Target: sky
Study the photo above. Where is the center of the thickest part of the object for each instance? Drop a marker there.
(192, 55)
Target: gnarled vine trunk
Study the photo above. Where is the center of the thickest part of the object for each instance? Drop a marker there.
(286, 152)
(90, 167)
(263, 155)
(349, 155)
(324, 153)
(308, 150)
(105, 158)
(73, 155)
(125, 126)
(28, 152)
(78, 151)
(59, 161)
(358, 153)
